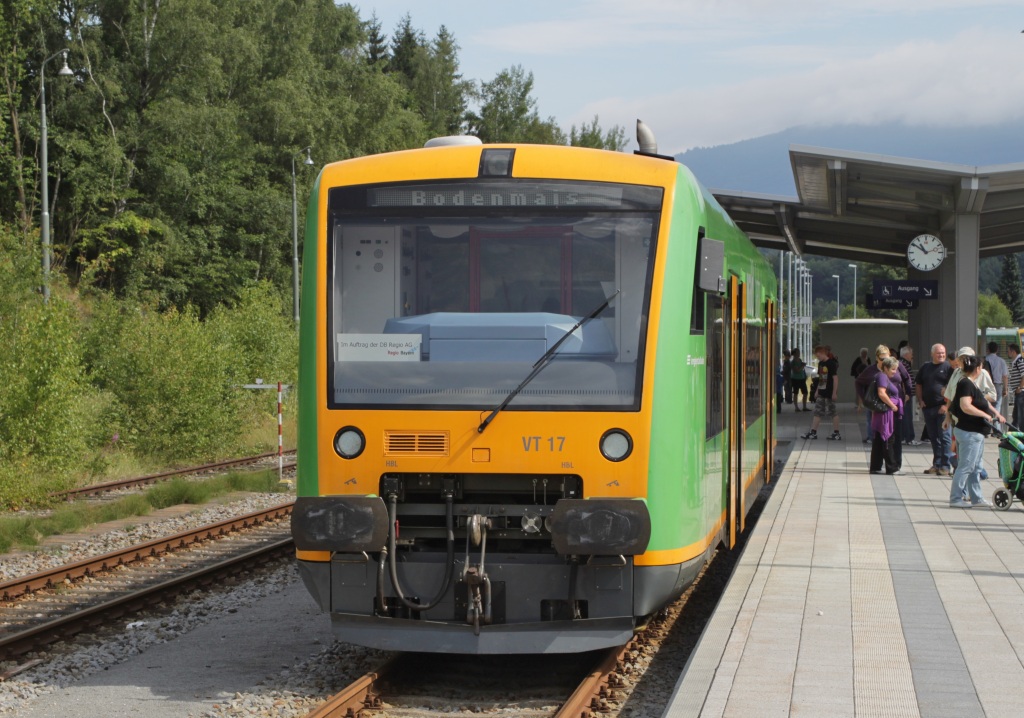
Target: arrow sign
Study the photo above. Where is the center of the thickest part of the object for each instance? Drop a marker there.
(906, 289)
(872, 301)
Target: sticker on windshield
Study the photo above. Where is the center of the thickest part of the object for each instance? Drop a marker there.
(379, 347)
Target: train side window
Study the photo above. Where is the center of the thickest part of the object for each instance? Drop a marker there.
(715, 367)
(755, 352)
(697, 310)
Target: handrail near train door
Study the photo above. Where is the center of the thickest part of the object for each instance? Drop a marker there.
(731, 467)
(741, 400)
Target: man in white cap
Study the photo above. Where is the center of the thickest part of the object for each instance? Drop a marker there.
(984, 381)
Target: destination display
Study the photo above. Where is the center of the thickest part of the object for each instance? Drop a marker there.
(906, 288)
(872, 301)
(489, 195)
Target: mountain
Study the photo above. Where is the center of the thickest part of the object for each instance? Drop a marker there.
(762, 164)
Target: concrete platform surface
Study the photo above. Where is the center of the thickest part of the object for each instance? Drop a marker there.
(866, 595)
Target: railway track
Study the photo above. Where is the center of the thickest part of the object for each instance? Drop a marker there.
(106, 487)
(467, 683)
(56, 604)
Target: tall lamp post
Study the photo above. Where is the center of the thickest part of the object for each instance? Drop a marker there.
(44, 176)
(295, 233)
(854, 289)
(836, 277)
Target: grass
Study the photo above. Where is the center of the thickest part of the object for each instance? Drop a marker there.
(25, 532)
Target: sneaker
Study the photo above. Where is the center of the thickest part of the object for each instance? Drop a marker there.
(942, 472)
(899, 472)
(914, 442)
(866, 441)
(983, 504)
(932, 470)
(959, 504)
(809, 435)
(834, 436)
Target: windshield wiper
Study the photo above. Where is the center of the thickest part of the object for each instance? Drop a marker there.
(544, 360)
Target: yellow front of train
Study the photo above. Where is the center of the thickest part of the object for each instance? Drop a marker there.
(473, 453)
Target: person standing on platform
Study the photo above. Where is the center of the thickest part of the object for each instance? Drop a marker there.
(907, 360)
(901, 378)
(972, 412)
(1015, 389)
(885, 424)
(787, 363)
(798, 378)
(932, 379)
(860, 364)
(983, 380)
(827, 391)
(1000, 376)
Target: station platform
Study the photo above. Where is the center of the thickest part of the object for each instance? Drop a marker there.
(865, 595)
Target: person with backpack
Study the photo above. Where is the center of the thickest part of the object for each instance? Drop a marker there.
(884, 398)
(798, 378)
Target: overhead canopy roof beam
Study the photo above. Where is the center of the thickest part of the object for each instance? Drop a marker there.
(784, 219)
(837, 186)
(970, 195)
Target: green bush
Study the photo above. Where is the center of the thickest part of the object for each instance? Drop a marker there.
(44, 423)
(171, 381)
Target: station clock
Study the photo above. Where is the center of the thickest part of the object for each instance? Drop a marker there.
(926, 252)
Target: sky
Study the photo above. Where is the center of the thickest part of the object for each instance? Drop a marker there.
(702, 73)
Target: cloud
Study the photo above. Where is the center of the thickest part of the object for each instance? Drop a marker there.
(610, 25)
(960, 82)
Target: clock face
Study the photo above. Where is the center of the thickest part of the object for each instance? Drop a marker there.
(926, 252)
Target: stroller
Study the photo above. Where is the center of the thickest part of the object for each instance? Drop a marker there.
(1011, 469)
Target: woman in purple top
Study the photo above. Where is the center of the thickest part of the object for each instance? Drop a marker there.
(884, 423)
(901, 379)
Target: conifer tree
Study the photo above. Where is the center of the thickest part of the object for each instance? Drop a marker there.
(405, 46)
(376, 43)
(1010, 290)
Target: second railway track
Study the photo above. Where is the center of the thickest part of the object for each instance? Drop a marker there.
(52, 605)
(108, 486)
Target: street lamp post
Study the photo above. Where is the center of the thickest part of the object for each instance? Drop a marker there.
(836, 277)
(44, 176)
(295, 232)
(854, 289)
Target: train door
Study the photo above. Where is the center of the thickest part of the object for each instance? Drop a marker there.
(736, 312)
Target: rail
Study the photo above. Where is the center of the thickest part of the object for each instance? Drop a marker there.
(105, 487)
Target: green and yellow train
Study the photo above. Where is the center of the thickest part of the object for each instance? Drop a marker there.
(536, 391)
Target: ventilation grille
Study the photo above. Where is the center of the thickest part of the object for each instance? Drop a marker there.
(416, 443)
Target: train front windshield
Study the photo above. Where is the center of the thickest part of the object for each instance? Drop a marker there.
(446, 294)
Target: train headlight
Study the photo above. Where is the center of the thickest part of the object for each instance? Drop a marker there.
(349, 442)
(616, 445)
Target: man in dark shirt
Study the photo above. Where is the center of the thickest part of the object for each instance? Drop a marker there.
(827, 391)
(931, 383)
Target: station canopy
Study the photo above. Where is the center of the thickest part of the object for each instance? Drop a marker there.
(867, 207)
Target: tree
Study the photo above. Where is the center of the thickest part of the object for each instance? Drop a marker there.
(376, 43)
(1010, 290)
(508, 111)
(992, 312)
(438, 87)
(593, 136)
(405, 45)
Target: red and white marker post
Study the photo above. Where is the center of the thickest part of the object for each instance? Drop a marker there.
(280, 435)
